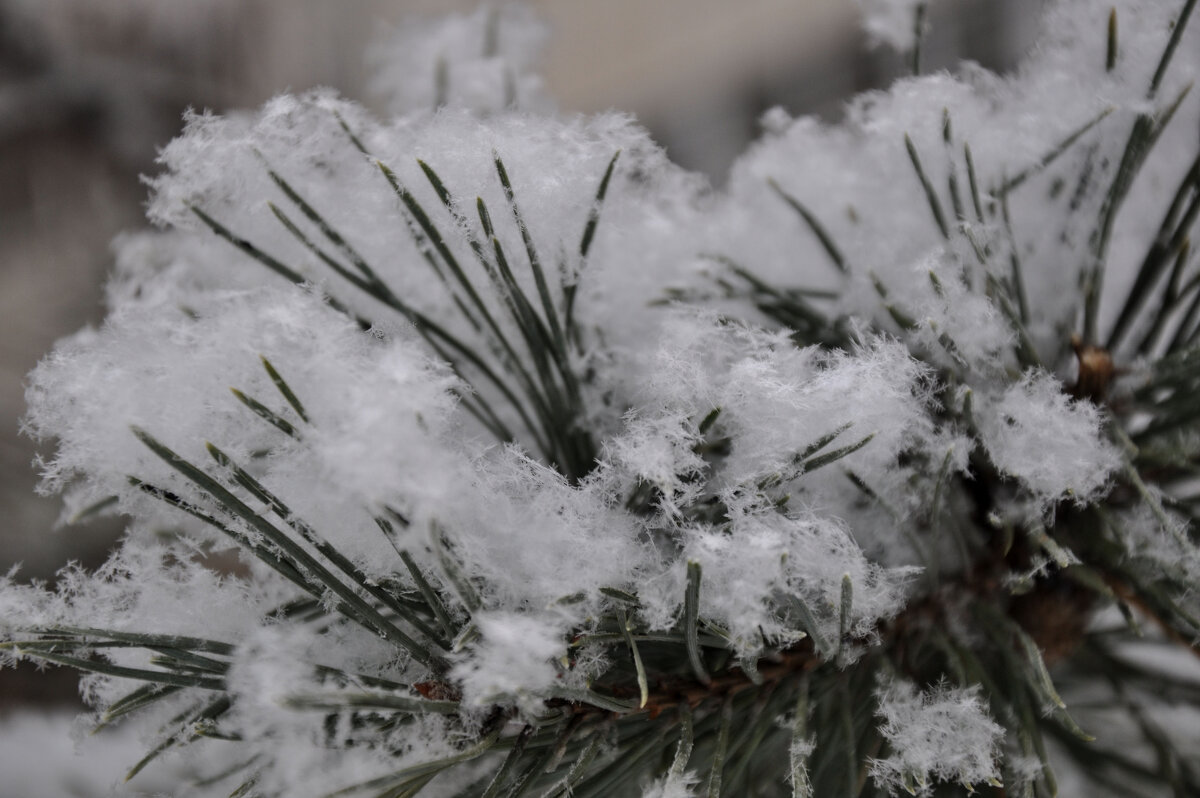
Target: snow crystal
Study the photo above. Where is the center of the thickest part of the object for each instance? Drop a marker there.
(673, 786)
(238, 170)
(169, 372)
(943, 734)
(763, 555)
(775, 400)
(772, 401)
(957, 327)
(1053, 445)
(514, 656)
(858, 179)
(533, 539)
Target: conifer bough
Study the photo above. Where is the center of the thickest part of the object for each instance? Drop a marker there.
(551, 472)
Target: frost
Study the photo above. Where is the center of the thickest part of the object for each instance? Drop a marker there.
(146, 588)
(673, 786)
(1053, 445)
(799, 751)
(1161, 544)
(944, 734)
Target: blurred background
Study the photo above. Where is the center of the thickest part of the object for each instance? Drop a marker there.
(90, 88)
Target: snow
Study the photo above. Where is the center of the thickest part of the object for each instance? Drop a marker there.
(673, 786)
(784, 470)
(943, 734)
(858, 179)
(169, 371)
(44, 754)
(532, 539)
(1055, 446)
(513, 657)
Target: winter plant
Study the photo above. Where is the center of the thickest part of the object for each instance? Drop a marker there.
(547, 470)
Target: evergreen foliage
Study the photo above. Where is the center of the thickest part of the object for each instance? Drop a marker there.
(551, 473)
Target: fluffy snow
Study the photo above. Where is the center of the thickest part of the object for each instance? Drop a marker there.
(858, 180)
(514, 656)
(1055, 446)
(169, 371)
(782, 469)
(944, 734)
